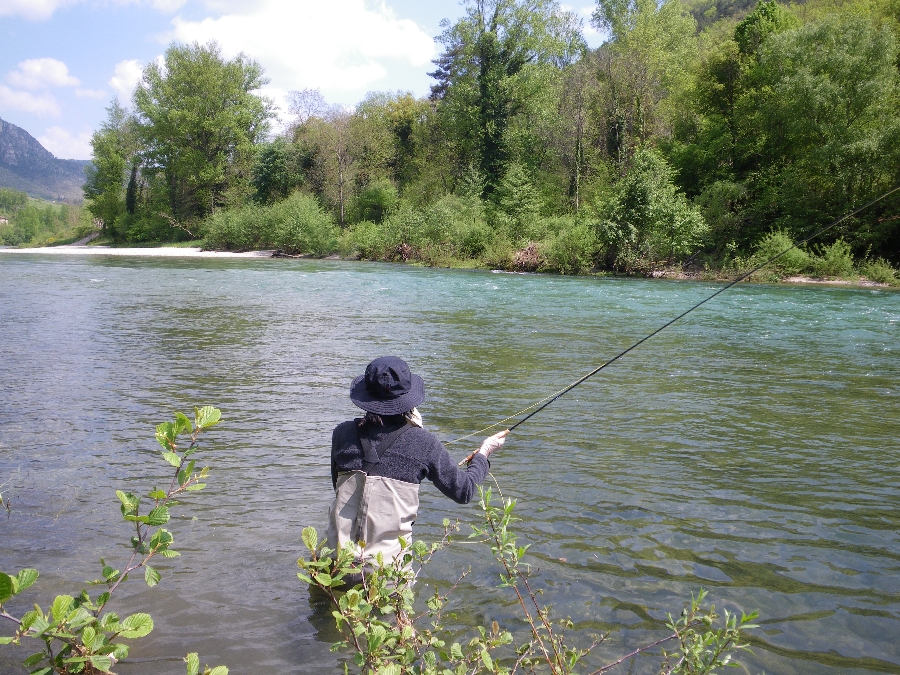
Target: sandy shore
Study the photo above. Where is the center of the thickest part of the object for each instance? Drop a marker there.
(161, 252)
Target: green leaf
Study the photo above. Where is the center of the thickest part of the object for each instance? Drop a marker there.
(165, 435)
(305, 579)
(172, 458)
(26, 578)
(61, 606)
(310, 538)
(195, 486)
(136, 626)
(158, 516)
(157, 494)
(6, 640)
(486, 660)
(219, 670)
(169, 553)
(151, 576)
(101, 663)
(456, 651)
(323, 579)
(193, 663)
(182, 424)
(7, 590)
(207, 416)
(33, 660)
(42, 671)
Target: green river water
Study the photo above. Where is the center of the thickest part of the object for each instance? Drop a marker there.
(751, 449)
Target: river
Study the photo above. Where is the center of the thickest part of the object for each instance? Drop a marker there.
(751, 449)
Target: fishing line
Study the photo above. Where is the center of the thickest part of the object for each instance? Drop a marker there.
(538, 406)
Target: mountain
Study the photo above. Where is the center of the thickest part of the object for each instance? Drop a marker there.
(27, 166)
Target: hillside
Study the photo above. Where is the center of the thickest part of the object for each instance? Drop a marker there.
(27, 166)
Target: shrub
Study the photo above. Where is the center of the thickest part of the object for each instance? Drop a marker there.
(299, 225)
(795, 261)
(499, 254)
(880, 271)
(296, 225)
(376, 202)
(646, 220)
(572, 251)
(833, 261)
(236, 229)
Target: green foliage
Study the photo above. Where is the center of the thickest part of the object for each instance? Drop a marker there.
(11, 201)
(380, 627)
(297, 225)
(835, 260)
(34, 223)
(199, 120)
(791, 260)
(701, 647)
(491, 58)
(572, 251)
(880, 271)
(646, 221)
(78, 635)
(276, 171)
(375, 202)
(114, 146)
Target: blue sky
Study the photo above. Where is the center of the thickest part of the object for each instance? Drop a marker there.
(62, 61)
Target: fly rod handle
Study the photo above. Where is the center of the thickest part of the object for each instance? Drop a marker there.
(468, 459)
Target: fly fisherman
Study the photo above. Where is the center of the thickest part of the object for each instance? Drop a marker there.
(378, 461)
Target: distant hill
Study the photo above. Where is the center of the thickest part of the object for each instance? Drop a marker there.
(27, 166)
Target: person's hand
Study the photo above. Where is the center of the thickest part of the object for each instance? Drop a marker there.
(492, 443)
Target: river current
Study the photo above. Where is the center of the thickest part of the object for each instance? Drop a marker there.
(751, 449)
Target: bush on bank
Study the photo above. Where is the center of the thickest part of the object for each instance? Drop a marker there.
(296, 225)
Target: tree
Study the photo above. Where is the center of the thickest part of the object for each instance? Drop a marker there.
(276, 172)
(825, 114)
(200, 120)
(645, 70)
(114, 146)
(488, 57)
(646, 220)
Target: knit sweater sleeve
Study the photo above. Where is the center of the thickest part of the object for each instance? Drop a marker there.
(458, 484)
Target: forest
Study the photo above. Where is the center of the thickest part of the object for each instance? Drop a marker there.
(699, 136)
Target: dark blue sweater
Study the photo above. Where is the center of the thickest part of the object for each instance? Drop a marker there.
(415, 455)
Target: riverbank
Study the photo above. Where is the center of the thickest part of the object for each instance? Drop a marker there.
(197, 252)
(156, 252)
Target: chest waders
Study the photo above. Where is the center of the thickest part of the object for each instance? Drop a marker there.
(370, 510)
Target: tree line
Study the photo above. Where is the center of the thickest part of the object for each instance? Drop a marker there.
(31, 222)
(696, 133)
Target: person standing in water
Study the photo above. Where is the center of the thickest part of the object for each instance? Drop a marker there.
(379, 460)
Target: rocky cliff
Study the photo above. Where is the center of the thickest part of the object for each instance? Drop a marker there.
(27, 166)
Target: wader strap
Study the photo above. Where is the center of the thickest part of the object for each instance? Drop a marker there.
(372, 454)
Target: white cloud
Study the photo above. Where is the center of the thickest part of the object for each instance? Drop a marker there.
(42, 74)
(36, 10)
(90, 93)
(338, 45)
(66, 146)
(126, 77)
(42, 105)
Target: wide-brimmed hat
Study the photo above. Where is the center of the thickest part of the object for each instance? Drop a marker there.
(387, 388)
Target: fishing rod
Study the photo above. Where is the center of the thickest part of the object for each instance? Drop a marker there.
(543, 403)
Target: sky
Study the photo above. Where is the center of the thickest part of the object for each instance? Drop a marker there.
(63, 61)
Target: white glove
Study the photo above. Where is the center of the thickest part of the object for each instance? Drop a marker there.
(492, 443)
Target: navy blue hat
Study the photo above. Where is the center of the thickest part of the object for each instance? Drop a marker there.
(387, 388)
